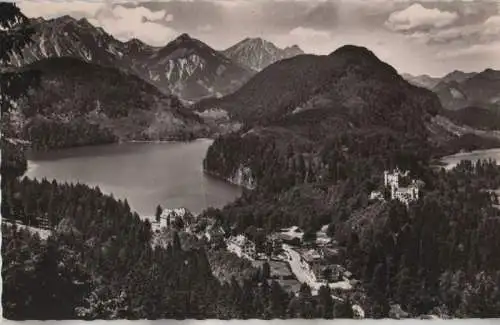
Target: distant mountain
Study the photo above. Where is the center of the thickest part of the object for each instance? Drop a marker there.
(185, 67)
(80, 103)
(68, 37)
(256, 53)
(457, 76)
(477, 90)
(192, 70)
(424, 80)
(429, 82)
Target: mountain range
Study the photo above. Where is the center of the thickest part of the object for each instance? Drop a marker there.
(429, 82)
(480, 89)
(254, 81)
(185, 67)
(257, 54)
(475, 96)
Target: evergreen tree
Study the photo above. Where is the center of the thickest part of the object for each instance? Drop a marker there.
(159, 210)
(266, 270)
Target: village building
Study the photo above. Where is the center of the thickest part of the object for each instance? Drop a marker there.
(291, 236)
(215, 236)
(245, 245)
(176, 217)
(43, 222)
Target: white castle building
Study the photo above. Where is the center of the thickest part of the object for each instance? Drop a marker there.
(403, 194)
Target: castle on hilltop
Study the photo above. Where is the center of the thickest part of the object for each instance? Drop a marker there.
(404, 194)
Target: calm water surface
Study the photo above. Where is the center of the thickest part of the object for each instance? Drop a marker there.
(452, 161)
(146, 174)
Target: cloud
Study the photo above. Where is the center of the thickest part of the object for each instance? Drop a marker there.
(416, 16)
(52, 9)
(414, 36)
(205, 28)
(302, 32)
(492, 26)
(488, 50)
(139, 22)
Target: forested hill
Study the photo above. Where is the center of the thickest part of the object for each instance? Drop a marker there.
(80, 103)
(311, 116)
(296, 110)
(351, 77)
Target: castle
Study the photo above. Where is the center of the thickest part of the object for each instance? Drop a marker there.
(403, 194)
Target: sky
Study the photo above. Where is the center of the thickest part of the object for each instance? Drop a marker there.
(417, 37)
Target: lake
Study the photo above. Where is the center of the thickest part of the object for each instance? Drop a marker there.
(453, 160)
(146, 174)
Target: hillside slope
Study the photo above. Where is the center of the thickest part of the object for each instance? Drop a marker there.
(80, 103)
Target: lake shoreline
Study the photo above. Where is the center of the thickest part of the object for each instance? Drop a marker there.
(451, 161)
(147, 174)
(166, 141)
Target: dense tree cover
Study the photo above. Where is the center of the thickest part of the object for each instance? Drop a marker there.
(13, 159)
(41, 279)
(351, 78)
(438, 257)
(105, 105)
(301, 181)
(467, 142)
(45, 134)
(476, 117)
(99, 263)
(440, 254)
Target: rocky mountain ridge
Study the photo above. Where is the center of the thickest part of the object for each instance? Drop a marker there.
(257, 53)
(185, 67)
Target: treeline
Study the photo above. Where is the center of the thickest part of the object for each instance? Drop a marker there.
(302, 183)
(99, 264)
(13, 162)
(47, 134)
(476, 117)
(315, 146)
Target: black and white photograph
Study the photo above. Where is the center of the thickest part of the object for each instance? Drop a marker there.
(250, 159)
